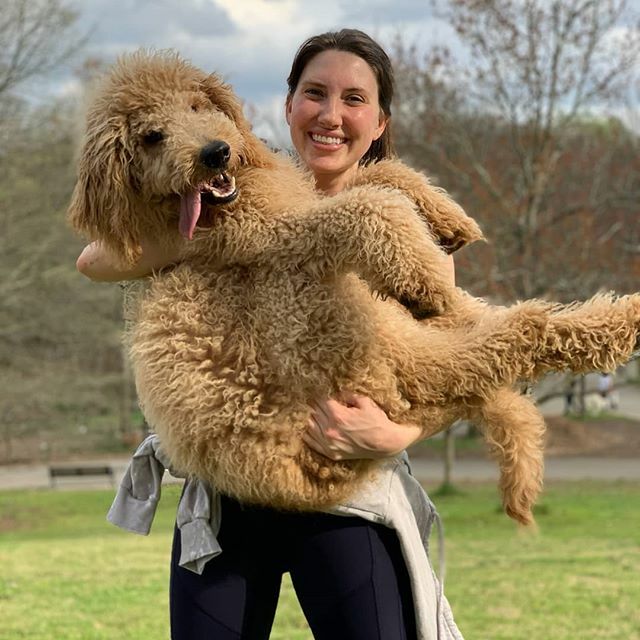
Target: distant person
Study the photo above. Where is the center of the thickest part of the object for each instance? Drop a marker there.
(605, 390)
(569, 394)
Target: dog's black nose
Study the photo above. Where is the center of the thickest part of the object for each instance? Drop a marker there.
(215, 155)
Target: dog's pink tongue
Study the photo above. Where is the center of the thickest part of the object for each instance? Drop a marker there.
(189, 213)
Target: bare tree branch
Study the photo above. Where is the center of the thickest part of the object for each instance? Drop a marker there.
(512, 132)
(36, 36)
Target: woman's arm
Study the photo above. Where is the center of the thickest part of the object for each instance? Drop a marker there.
(98, 264)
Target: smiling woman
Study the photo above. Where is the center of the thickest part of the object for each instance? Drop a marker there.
(334, 115)
(360, 569)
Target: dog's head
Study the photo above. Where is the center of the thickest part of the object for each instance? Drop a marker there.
(163, 146)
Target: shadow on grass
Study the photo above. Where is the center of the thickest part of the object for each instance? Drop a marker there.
(447, 489)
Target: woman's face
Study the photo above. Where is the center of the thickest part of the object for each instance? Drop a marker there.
(334, 116)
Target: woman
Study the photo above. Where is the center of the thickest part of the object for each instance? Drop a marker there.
(359, 572)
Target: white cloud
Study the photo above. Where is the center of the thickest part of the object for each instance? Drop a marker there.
(250, 42)
(260, 14)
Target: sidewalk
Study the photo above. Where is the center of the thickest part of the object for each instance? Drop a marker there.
(428, 471)
(36, 476)
(565, 468)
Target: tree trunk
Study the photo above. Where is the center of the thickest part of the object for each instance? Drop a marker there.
(582, 407)
(449, 456)
(126, 396)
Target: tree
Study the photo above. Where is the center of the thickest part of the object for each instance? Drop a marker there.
(519, 132)
(519, 126)
(60, 355)
(60, 359)
(36, 37)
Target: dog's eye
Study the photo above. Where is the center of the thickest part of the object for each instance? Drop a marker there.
(153, 137)
(195, 107)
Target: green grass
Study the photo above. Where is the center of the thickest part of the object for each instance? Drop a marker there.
(464, 444)
(65, 574)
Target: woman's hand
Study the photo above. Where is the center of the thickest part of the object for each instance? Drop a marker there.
(356, 427)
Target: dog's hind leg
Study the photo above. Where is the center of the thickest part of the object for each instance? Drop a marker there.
(597, 335)
(474, 360)
(523, 342)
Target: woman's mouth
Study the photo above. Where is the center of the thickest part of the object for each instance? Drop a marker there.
(332, 141)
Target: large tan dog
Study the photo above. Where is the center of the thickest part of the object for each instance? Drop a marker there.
(272, 305)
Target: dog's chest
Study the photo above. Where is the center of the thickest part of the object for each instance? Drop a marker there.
(299, 336)
(307, 330)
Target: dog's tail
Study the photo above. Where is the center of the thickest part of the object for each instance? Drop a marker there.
(514, 429)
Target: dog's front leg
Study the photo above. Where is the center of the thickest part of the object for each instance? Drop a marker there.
(377, 234)
(452, 227)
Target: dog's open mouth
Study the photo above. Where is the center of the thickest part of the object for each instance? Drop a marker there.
(220, 190)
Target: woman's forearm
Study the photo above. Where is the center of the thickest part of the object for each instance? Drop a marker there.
(356, 427)
(97, 263)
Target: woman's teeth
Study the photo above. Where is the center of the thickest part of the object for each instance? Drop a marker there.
(326, 139)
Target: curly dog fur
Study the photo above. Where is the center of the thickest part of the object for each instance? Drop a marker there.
(272, 306)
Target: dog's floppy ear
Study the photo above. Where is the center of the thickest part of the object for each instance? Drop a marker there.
(254, 151)
(101, 205)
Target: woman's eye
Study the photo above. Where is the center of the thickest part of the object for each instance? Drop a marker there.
(153, 137)
(355, 98)
(313, 93)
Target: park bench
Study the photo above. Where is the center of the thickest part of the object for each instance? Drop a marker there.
(79, 471)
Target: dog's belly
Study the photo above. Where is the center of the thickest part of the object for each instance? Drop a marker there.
(201, 381)
(193, 346)
(226, 370)
(312, 338)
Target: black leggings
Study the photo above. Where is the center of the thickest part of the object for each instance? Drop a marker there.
(348, 574)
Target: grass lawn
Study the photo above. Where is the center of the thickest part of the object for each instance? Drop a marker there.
(65, 574)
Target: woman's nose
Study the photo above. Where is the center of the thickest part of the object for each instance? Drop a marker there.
(330, 115)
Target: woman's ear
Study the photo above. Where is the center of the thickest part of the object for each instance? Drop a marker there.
(102, 205)
(382, 125)
(287, 109)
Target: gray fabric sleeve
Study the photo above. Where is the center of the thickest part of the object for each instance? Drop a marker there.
(199, 522)
(198, 518)
(136, 500)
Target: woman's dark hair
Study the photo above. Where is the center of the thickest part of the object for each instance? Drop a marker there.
(363, 46)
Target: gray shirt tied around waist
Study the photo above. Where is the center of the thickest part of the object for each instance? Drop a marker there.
(393, 498)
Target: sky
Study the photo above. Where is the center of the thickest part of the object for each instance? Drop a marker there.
(250, 42)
